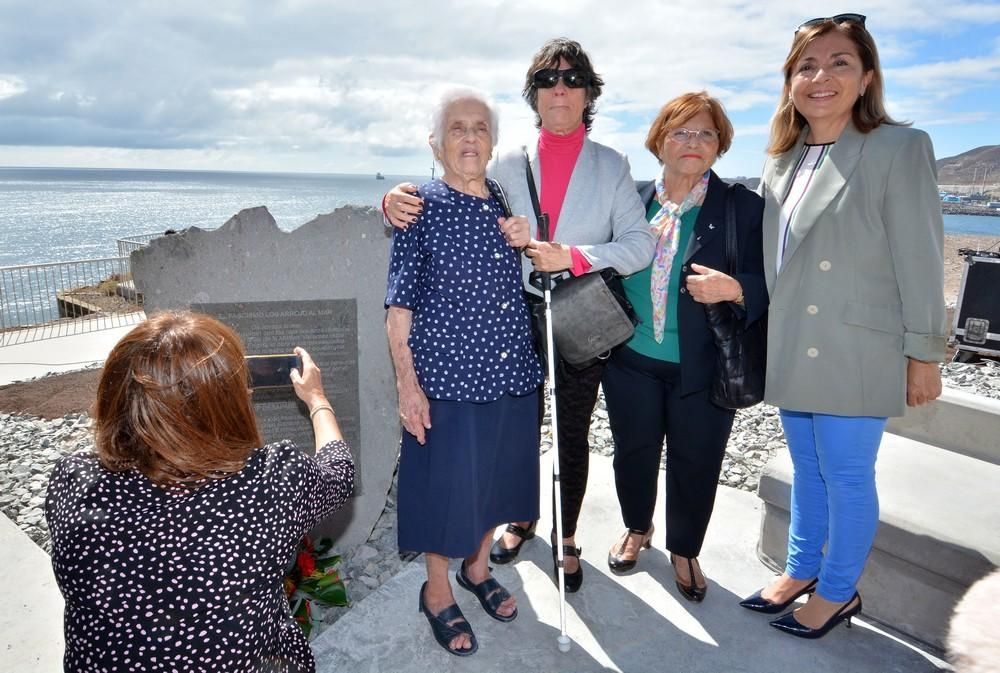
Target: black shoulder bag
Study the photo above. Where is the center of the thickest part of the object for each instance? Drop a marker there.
(741, 357)
(590, 313)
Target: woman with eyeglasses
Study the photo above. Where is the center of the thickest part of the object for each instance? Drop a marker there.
(657, 387)
(596, 222)
(853, 257)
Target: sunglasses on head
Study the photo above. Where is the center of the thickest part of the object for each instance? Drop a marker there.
(549, 77)
(839, 18)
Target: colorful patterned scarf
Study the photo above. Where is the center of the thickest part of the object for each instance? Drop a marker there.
(666, 226)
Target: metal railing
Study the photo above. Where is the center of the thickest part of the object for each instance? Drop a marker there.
(41, 301)
(126, 246)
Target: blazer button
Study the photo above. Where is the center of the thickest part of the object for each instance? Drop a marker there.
(825, 265)
(684, 268)
(812, 309)
(683, 290)
(812, 352)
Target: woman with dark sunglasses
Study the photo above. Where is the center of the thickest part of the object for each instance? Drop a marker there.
(596, 221)
(853, 258)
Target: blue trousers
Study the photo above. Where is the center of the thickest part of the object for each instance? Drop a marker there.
(834, 501)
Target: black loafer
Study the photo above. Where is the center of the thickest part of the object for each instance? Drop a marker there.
(500, 554)
(758, 603)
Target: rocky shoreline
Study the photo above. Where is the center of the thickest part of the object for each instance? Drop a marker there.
(30, 446)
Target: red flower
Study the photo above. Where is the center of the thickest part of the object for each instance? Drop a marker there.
(306, 563)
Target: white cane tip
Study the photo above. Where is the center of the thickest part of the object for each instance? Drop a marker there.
(563, 643)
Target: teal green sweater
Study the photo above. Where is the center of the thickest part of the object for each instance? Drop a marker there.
(637, 291)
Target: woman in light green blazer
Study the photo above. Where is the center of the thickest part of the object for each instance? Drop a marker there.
(853, 261)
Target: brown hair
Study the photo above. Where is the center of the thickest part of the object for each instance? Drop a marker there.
(681, 109)
(548, 57)
(173, 401)
(869, 109)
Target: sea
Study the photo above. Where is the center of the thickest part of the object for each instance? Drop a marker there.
(64, 214)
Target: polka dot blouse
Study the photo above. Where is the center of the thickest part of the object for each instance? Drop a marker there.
(162, 580)
(470, 334)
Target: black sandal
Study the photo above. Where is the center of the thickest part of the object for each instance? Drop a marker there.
(444, 632)
(500, 554)
(490, 593)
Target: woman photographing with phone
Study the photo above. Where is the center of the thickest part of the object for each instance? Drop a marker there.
(171, 539)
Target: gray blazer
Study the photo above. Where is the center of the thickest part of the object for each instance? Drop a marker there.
(601, 216)
(861, 285)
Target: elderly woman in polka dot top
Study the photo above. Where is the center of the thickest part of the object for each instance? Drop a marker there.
(466, 371)
(171, 539)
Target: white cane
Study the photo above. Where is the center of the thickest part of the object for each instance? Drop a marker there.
(550, 352)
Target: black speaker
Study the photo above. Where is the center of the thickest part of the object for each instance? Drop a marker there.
(977, 315)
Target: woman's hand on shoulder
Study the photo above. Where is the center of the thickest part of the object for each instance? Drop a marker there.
(923, 382)
(708, 286)
(516, 230)
(402, 205)
(414, 412)
(308, 383)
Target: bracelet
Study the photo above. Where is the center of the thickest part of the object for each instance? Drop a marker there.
(739, 300)
(320, 408)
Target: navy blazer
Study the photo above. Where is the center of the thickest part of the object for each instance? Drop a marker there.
(707, 246)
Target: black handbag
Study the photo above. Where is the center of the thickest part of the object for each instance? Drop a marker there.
(741, 357)
(590, 313)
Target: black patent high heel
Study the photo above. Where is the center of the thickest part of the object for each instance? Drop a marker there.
(574, 580)
(790, 625)
(692, 592)
(618, 561)
(758, 603)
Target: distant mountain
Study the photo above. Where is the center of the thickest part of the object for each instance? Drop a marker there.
(970, 167)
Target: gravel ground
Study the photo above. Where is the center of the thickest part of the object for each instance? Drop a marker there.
(30, 446)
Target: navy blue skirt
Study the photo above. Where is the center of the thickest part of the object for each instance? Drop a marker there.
(478, 469)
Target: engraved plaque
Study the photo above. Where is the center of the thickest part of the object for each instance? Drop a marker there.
(328, 329)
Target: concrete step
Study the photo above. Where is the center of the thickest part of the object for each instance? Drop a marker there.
(938, 532)
(31, 607)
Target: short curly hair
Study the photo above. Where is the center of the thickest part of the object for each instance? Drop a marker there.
(548, 57)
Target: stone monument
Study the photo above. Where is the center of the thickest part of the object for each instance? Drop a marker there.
(321, 287)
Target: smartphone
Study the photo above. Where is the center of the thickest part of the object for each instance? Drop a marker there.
(272, 371)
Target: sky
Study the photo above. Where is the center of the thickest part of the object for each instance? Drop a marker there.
(336, 86)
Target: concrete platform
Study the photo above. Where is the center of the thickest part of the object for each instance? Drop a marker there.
(31, 607)
(62, 346)
(634, 623)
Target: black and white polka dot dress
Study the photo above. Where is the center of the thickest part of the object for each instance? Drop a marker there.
(162, 580)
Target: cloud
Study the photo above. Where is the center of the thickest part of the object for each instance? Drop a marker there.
(313, 84)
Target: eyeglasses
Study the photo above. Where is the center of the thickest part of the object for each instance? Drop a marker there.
(838, 19)
(549, 77)
(704, 136)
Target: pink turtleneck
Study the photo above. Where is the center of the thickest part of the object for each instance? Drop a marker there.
(557, 157)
